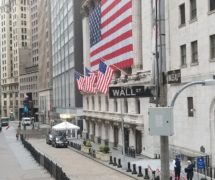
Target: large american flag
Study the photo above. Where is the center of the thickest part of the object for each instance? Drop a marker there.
(110, 24)
(90, 79)
(80, 81)
(105, 74)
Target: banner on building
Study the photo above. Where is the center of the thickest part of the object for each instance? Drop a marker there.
(111, 38)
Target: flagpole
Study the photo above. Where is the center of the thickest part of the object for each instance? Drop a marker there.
(79, 73)
(117, 68)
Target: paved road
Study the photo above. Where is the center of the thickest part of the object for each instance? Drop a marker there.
(16, 162)
(77, 166)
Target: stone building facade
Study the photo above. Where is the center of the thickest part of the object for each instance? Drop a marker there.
(16, 42)
(103, 116)
(190, 35)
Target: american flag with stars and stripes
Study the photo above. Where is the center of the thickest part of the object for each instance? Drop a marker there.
(110, 23)
(90, 80)
(105, 74)
(80, 81)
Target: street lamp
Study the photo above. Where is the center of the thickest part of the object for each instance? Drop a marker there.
(165, 173)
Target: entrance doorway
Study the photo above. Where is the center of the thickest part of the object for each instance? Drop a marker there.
(126, 139)
(116, 136)
(138, 138)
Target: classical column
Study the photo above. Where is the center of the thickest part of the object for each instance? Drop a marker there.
(86, 33)
(91, 128)
(97, 132)
(132, 137)
(103, 135)
(137, 34)
(111, 135)
(84, 133)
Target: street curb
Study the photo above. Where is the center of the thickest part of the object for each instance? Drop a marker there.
(101, 162)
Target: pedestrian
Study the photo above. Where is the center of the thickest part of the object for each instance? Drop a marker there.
(177, 168)
(189, 170)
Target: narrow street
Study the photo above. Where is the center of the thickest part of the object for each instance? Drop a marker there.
(16, 163)
(75, 165)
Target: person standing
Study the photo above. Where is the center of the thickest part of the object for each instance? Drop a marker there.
(177, 168)
(189, 170)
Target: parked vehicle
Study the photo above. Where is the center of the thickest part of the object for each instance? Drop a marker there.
(59, 141)
(5, 121)
(26, 121)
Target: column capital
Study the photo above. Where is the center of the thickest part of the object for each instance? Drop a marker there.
(87, 4)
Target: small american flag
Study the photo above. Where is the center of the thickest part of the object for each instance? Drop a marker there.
(105, 74)
(90, 79)
(110, 23)
(80, 81)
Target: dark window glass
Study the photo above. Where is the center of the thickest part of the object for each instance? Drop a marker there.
(212, 46)
(115, 106)
(182, 13)
(212, 5)
(183, 55)
(193, 10)
(126, 106)
(138, 106)
(99, 103)
(93, 104)
(190, 106)
(194, 51)
(107, 103)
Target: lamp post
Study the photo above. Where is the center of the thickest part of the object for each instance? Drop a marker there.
(165, 173)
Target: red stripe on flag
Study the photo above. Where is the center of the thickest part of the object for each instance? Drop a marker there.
(111, 6)
(111, 43)
(103, 2)
(114, 54)
(116, 14)
(118, 26)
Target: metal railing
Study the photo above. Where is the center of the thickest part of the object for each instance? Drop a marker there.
(53, 168)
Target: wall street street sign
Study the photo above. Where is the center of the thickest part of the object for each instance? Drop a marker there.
(130, 91)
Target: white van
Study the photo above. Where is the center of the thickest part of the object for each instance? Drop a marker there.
(26, 121)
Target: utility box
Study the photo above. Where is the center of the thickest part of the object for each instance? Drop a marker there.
(161, 121)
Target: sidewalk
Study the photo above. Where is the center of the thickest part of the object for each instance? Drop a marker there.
(139, 160)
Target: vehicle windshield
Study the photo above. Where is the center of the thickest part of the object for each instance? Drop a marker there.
(26, 119)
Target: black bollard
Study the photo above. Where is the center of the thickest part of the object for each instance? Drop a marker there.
(140, 174)
(129, 167)
(111, 160)
(146, 174)
(114, 162)
(134, 169)
(119, 163)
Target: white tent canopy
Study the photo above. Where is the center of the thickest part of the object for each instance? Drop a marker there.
(65, 126)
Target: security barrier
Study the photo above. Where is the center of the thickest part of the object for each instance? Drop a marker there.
(54, 170)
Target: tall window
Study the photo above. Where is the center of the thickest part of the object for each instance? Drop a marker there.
(212, 46)
(193, 10)
(190, 106)
(115, 106)
(182, 14)
(99, 103)
(126, 106)
(183, 55)
(138, 106)
(107, 103)
(93, 103)
(87, 103)
(212, 5)
(194, 51)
